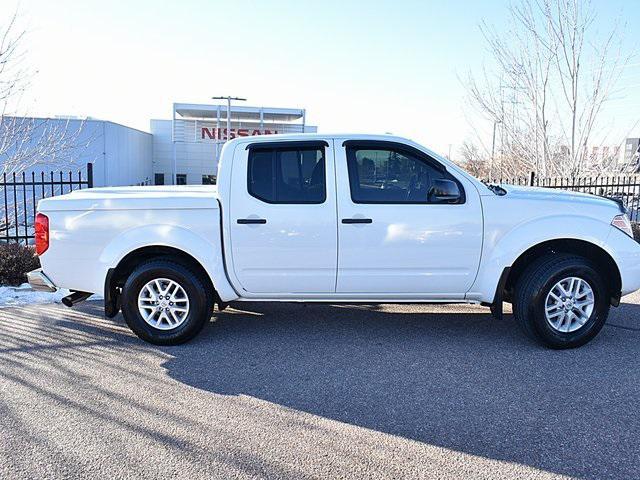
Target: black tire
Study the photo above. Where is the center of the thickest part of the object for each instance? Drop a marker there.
(200, 302)
(534, 285)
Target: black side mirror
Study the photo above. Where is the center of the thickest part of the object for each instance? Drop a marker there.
(444, 191)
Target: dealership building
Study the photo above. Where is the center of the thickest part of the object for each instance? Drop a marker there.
(187, 147)
(184, 149)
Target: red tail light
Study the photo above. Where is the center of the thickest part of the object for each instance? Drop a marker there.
(42, 233)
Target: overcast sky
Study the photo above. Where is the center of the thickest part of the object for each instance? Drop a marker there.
(369, 66)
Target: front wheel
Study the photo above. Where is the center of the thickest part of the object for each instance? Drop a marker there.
(561, 300)
(165, 303)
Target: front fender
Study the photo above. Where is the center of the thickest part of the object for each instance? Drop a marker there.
(502, 246)
(208, 252)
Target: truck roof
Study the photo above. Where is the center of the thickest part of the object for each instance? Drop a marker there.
(319, 136)
(336, 136)
(343, 136)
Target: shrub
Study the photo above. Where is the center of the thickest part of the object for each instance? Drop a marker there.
(15, 261)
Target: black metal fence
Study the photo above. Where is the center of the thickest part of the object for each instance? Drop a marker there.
(21, 193)
(620, 187)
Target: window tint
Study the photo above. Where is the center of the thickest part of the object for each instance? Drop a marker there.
(261, 173)
(287, 175)
(181, 179)
(384, 175)
(159, 179)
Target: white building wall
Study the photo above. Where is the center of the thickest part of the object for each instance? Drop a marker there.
(127, 156)
(162, 148)
(120, 155)
(193, 159)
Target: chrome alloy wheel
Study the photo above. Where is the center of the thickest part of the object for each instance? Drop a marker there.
(163, 304)
(569, 304)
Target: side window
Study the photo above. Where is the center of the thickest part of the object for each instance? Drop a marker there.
(385, 175)
(287, 175)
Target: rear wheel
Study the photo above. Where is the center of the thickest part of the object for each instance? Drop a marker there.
(561, 300)
(165, 303)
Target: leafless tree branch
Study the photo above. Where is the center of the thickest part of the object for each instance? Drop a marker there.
(27, 142)
(553, 74)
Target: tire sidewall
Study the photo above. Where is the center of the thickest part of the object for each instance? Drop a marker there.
(195, 291)
(593, 325)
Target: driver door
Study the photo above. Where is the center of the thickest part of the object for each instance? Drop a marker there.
(393, 238)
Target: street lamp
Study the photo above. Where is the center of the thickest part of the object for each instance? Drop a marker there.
(493, 145)
(228, 99)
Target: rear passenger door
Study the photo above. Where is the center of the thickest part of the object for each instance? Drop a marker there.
(283, 218)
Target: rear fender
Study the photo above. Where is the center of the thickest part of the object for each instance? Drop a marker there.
(208, 253)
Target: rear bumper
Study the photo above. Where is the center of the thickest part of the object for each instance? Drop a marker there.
(39, 281)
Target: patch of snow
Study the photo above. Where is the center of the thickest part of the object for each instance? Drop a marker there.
(25, 295)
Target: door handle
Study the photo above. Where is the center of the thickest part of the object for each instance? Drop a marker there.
(251, 221)
(357, 220)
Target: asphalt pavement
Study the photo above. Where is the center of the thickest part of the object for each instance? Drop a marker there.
(316, 391)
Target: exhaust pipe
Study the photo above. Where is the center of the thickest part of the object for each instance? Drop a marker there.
(75, 297)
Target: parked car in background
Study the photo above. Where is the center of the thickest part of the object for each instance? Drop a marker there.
(339, 218)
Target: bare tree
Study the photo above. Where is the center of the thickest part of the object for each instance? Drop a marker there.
(27, 142)
(553, 74)
(473, 161)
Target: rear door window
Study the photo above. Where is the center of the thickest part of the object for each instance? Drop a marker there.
(287, 175)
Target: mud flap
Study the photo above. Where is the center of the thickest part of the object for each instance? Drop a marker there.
(496, 306)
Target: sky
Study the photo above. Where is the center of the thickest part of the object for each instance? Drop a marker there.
(355, 66)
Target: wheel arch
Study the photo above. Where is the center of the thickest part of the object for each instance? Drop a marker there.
(117, 276)
(586, 249)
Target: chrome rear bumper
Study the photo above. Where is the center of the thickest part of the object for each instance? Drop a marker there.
(39, 281)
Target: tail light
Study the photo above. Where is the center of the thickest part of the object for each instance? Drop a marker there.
(42, 233)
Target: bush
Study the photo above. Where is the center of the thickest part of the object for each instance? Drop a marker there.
(15, 261)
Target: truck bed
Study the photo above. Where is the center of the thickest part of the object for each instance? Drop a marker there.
(135, 198)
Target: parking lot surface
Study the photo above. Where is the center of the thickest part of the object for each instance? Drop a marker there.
(316, 391)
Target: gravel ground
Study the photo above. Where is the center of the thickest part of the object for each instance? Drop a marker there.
(316, 391)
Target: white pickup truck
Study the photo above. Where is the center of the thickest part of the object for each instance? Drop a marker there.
(338, 218)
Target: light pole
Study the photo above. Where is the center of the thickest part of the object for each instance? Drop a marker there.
(493, 146)
(228, 99)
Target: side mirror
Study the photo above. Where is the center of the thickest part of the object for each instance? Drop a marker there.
(444, 191)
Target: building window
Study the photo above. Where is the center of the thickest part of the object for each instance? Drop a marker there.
(287, 175)
(208, 179)
(159, 180)
(181, 179)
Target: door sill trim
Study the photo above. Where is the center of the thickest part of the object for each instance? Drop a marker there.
(358, 299)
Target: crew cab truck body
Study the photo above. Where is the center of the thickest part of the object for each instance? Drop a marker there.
(339, 218)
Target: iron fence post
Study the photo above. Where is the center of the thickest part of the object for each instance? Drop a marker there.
(89, 175)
